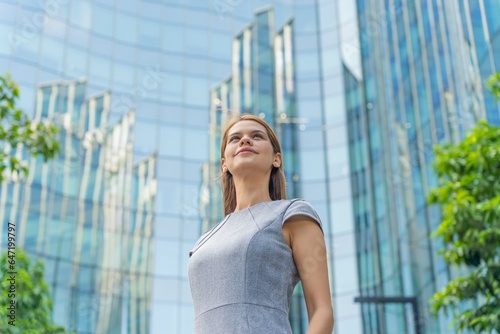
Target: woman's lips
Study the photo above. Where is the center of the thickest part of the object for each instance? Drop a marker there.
(246, 151)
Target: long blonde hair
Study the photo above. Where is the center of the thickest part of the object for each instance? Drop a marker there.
(277, 180)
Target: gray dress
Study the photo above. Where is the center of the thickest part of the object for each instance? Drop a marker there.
(242, 272)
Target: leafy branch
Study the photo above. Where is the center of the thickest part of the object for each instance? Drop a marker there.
(469, 197)
(17, 131)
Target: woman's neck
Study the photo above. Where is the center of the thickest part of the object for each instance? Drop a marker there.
(250, 193)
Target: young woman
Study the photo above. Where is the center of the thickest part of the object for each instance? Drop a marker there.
(243, 271)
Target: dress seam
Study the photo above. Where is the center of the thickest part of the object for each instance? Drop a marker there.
(250, 242)
(246, 252)
(208, 235)
(245, 303)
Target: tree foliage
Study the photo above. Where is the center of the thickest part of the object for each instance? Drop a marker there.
(469, 196)
(16, 128)
(493, 85)
(33, 307)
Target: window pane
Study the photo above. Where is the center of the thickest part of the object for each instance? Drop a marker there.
(126, 27)
(220, 45)
(197, 41)
(76, 61)
(342, 211)
(153, 10)
(103, 21)
(26, 49)
(173, 38)
(81, 14)
(100, 45)
(23, 72)
(172, 88)
(196, 91)
(124, 74)
(169, 168)
(195, 143)
(124, 52)
(150, 33)
(8, 12)
(172, 62)
(164, 315)
(55, 28)
(197, 116)
(166, 265)
(78, 37)
(52, 54)
(170, 140)
(174, 14)
(313, 165)
(128, 5)
(145, 136)
(168, 197)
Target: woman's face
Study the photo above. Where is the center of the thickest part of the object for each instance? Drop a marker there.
(249, 148)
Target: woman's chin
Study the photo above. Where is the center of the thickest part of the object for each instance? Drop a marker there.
(248, 170)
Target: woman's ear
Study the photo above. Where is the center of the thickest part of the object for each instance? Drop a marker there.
(277, 160)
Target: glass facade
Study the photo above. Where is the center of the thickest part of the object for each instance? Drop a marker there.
(115, 223)
(89, 214)
(421, 82)
(481, 38)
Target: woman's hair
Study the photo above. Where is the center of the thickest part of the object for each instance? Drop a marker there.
(277, 180)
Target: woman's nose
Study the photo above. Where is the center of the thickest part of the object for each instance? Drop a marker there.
(244, 139)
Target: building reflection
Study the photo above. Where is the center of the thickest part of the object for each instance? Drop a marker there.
(89, 213)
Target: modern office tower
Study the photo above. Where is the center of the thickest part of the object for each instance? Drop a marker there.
(479, 30)
(161, 59)
(421, 82)
(88, 214)
(313, 138)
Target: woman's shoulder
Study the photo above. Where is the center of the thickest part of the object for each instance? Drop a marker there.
(291, 205)
(288, 200)
(299, 206)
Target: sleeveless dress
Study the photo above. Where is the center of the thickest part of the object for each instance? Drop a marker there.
(241, 272)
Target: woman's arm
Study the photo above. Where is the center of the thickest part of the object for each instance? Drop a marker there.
(306, 240)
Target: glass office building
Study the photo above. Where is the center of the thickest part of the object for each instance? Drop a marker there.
(140, 91)
(88, 214)
(420, 83)
(154, 66)
(480, 32)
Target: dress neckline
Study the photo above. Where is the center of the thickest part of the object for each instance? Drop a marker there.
(252, 206)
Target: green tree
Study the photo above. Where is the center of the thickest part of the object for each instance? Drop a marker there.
(27, 287)
(16, 128)
(469, 197)
(493, 85)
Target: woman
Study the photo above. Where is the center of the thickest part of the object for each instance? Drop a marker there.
(243, 271)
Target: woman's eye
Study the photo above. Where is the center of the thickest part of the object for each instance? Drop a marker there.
(255, 135)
